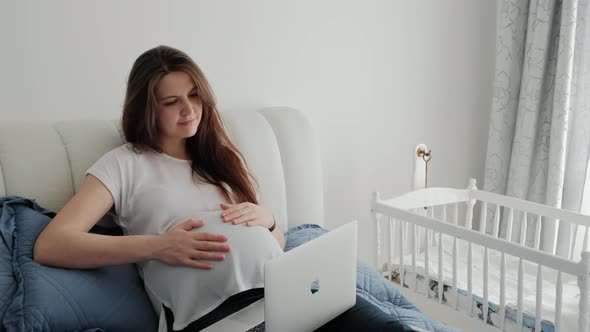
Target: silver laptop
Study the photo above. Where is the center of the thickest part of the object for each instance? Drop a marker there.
(305, 288)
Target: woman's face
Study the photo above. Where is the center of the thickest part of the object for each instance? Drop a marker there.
(179, 107)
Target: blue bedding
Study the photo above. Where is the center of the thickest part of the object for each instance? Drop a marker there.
(34, 297)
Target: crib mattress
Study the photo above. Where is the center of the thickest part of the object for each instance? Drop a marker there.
(570, 290)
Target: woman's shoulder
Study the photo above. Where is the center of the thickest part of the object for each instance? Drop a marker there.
(121, 150)
(130, 149)
(124, 152)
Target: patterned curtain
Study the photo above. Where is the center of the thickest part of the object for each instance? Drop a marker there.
(539, 136)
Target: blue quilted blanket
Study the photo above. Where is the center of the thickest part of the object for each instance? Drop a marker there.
(372, 286)
(35, 297)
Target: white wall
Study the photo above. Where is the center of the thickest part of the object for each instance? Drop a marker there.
(376, 77)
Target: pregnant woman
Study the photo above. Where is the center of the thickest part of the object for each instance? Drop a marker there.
(187, 203)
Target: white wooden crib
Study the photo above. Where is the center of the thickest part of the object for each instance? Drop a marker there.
(431, 241)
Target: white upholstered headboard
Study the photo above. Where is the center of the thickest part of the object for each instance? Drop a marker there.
(47, 162)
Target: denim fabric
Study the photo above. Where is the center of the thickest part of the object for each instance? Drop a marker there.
(35, 297)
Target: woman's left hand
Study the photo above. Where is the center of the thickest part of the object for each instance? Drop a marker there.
(248, 213)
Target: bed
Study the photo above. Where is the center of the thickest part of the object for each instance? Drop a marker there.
(483, 276)
(43, 164)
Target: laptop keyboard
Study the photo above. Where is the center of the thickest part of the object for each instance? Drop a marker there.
(258, 328)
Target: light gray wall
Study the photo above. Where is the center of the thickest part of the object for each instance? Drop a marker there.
(376, 77)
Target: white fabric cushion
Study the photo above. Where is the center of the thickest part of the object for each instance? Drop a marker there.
(300, 156)
(35, 164)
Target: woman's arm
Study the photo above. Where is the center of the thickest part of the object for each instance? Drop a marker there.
(278, 234)
(65, 242)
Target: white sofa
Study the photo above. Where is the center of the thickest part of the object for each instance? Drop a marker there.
(47, 162)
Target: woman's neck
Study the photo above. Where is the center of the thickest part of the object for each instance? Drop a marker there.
(175, 149)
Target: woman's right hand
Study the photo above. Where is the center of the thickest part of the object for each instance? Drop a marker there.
(180, 246)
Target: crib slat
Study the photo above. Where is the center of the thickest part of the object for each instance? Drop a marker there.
(483, 217)
(584, 285)
(390, 244)
(558, 301)
(402, 267)
(509, 224)
(375, 217)
(440, 268)
(431, 215)
(539, 308)
(554, 239)
(469, 215)
(414, 249)
(444, 213)
(555, 233)
(470, 278)
(485, 284)
(378, 230)
(456, 302)
(523, 226)
(502, 290)
(520, 293)
(573, 241)
(538, 231)
(419, 232)
(496, 221)
(456, 214)
(585, 243)
(427, 261)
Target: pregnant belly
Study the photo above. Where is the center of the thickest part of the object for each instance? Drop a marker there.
(242, 268)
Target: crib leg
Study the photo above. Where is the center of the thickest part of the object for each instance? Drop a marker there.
(377, 234)
(583, 283)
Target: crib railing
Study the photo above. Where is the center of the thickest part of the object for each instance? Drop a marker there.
(550, 215)
(417, 209)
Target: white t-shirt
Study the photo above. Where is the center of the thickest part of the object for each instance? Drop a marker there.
(153, 192)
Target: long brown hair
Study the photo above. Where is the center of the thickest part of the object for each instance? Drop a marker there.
(214, 158)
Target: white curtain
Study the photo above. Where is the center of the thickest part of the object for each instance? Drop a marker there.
(539, 136)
